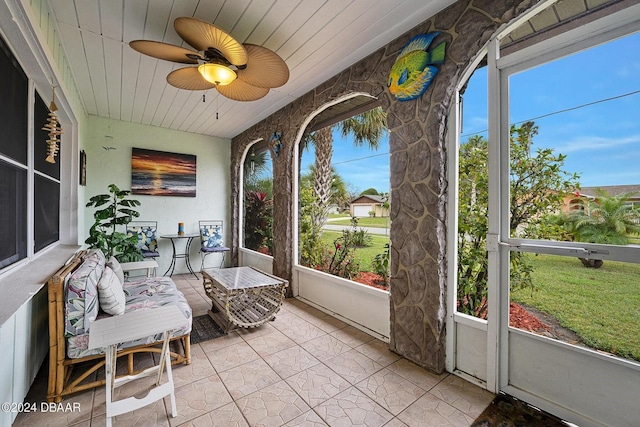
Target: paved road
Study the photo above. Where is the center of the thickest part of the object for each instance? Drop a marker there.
(370, 230)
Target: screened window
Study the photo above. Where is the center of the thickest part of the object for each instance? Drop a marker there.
(573, 220)
(22, 157)
(258, 199)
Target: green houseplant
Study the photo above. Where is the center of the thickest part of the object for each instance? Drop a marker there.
(115, 209)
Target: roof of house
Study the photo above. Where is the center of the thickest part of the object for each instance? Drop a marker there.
(611, 190)
(372, 198)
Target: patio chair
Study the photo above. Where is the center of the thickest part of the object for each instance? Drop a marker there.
(211, 240)
(147, 240)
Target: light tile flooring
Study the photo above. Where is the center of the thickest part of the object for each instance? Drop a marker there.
(303, 369)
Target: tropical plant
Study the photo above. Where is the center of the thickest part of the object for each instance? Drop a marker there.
(258, 218)
(339, 194)
(380, 264)
(103, 233)
(607, 220)
(359, 237)
(342, 261)
(312, 248)
(537, 185)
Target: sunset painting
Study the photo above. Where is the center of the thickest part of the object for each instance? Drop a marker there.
(159, 173)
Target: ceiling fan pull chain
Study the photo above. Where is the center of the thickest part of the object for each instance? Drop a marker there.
(203, 98)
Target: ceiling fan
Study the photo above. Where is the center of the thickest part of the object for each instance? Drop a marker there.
(242, 72)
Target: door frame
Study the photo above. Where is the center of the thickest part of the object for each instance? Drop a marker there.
(506, 362)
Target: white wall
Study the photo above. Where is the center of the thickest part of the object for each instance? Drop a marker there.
(113, 166)
(263, 262)
(361, 306)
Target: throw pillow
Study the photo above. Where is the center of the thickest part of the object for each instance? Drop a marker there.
(110, 293)
(117, 268)
(211, 236)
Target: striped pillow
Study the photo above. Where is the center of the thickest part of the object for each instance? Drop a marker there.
(110, 293)
(117, 268)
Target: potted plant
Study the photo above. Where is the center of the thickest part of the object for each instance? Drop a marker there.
(103, 234)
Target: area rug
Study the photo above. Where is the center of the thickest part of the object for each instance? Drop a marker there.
(507, 411)
(204, 328)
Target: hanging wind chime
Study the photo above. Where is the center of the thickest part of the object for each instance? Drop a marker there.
(53, 127)
(252, 163)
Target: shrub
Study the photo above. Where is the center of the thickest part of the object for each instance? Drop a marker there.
(258, 219)
(342, 261)
(312, 249)
(359, 238)
(380, 264)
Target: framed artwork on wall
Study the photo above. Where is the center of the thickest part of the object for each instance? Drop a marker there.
(159, 173)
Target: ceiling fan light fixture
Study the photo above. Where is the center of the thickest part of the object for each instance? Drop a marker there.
(217, 74)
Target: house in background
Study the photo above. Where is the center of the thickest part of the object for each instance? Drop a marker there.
(581, 197)
(368, 205)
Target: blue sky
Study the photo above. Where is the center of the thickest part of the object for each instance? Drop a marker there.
(601, 141)
(360, 167)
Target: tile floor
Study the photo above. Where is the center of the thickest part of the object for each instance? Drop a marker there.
(303, 369)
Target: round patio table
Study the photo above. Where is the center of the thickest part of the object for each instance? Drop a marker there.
(176, 255)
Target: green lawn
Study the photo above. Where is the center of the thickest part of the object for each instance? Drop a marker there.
(365, 255)
(382, 222)
(601, 305)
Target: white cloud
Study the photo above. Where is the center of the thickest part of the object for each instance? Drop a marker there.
(596, 143)
(628, 70)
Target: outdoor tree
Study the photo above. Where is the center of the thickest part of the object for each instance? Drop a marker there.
(338, 194)
(365, 128)
(537, 186)
(370, 192)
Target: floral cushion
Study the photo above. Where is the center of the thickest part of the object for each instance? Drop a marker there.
(81, 294)
(211, 236)
(141, 294)
(147, 241)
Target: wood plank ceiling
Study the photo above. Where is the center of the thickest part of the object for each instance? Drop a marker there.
(317, 39)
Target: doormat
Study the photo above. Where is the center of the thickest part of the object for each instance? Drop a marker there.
(203, 328)
(507, 411)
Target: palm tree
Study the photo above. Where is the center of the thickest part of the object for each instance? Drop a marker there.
(368, 127)
(609, 220)
(338, 194)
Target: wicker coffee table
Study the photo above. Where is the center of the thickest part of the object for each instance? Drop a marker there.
(243, 297)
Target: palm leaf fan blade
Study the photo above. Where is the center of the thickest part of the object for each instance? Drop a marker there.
(188, 78)
(241, 91)
(264, 68)
(203, 35)
(167, 52)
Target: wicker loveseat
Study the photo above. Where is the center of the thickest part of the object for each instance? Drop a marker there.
(74, 304)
